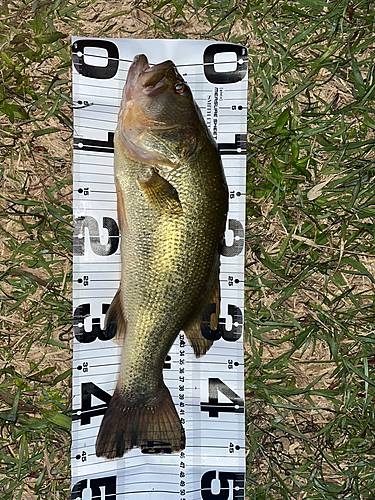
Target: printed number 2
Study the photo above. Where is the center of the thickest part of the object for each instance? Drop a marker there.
(222, 490)
(109, 248)
(109, 484)
(238, 239)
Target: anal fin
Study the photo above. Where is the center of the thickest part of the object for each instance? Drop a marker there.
(115, 320)
(202, 331)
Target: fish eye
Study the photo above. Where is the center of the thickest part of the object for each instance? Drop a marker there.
(180, 88)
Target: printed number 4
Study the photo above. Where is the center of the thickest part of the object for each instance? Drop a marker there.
(215, 385)
(88, 411)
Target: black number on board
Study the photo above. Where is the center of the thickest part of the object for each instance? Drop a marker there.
(229, 335)
(236, 331)
(108, 483)
(238, 239)
(107, 146)
(233, 448)
(223, 77)
(238, 147)
(155, 447)
(99, 71)
(82, 456)
(167, 362)
(215, 385)
(84, 336)
(206, 331)
(77, 490)
(109, 248)
(229, 482)
(87, 411)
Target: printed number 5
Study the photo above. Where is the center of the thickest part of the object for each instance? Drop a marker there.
(215, 485)
(109, 484)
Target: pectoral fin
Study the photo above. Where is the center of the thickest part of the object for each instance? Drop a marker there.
(202, 332)
(160, 193)
(115, 321)
(121, 213)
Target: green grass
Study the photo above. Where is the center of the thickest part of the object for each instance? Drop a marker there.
(312, 436)
(310, 291)
(35, 212)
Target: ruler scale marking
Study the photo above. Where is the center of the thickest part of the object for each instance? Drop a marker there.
(211, 397)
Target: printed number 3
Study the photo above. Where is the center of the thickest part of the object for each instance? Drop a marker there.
(80, 333)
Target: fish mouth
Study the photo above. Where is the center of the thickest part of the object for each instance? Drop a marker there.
(135, 117)
(148, 80)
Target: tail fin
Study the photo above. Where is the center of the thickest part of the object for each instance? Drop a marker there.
(154, 429)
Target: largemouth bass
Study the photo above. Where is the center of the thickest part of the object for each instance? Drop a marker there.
(172, 206)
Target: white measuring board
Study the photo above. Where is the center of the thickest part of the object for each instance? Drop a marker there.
(208, 392)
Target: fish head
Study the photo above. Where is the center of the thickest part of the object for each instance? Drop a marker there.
(159, 121)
